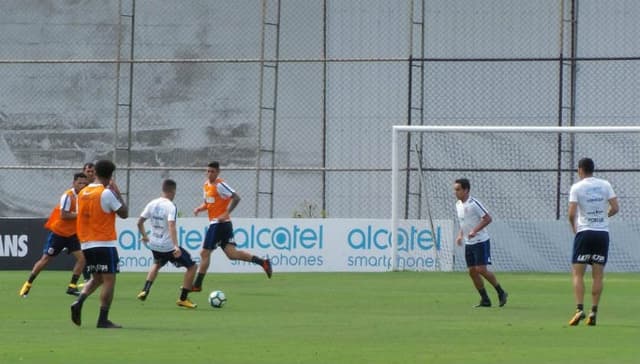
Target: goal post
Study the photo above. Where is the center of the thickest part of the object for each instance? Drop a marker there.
(540, 158)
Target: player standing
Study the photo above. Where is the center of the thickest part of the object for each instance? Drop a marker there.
(473, 218)
(592, 202)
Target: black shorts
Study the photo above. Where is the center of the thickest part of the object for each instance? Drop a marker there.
(56, 243)
(102, 260)
(161, 258)
(218, 235)
(591, 247)
(478, 253)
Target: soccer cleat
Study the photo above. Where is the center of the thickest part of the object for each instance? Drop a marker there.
(503, 298)
(72, 289)
(108, 325)
(591, 319)
(196, 289)
(76, 312)
(483, 303)
(142, 295)
(266, 265)
(186, 303)
(24, 291)
(577, 317)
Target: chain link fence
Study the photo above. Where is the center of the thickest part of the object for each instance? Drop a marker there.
(295, 98)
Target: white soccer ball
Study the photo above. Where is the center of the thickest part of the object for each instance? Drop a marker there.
(217, 299)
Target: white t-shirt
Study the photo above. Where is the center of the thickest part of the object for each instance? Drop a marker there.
(470, 214)
(592, 195)
(159, 212)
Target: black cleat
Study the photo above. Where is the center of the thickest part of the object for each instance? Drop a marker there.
(72, 289)
(503, 298)
(483, 303)
(108, 325)
(266, 265)
(76, 312)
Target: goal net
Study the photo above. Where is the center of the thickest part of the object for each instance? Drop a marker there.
(522, 175)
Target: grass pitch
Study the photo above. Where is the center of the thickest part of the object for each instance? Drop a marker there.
(397, 317)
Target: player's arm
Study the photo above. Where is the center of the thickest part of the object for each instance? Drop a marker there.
(123, 210)
(459, 238)
(484, 221)
(613, 206)
(573, 209)
(173, 233)
(143, 233)
(65, 208)
(235, 200)
(200, 208)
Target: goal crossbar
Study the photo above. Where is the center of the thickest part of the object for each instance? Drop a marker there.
(395, 163)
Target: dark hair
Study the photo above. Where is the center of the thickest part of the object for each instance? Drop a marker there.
(169, 185)
(88, 165)
(214, 164)
(79, 175)
(105, 168)
(464, 183)
(587, 165)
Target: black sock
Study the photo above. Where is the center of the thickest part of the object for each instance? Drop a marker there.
(147, 286)
(594, 308)
(32, 278)
(183, 294)
(199, 279)
(499, 290)
(74, 279)
(580, 307)
(483, 294)
(104, 314)
(256, 260)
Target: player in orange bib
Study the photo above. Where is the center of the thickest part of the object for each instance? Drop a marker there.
(98, 205)
(62, 226)
(219, 201)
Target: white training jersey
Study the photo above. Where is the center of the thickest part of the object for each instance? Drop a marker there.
(159, 212)
(592, 195)
(470, 214)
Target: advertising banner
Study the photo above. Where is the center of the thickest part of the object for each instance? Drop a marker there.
(307, 245)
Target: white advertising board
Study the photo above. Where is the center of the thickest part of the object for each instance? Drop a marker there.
(306, 245)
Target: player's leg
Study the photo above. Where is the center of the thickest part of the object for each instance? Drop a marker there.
(491, 278)
(106, 298)
(234, 253)
(151, 277)
(474, 259)
(597, 274)
(78, 267)
(37, 268)
(205, 259)
(577, 277)
(184, 300)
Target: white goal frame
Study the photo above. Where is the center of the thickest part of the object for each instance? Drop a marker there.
(395, 163)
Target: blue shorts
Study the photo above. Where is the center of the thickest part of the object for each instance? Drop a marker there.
(218, 235)
(56, 243)
(478, 253)
(161, 258)
(590, 246)
(102, 260)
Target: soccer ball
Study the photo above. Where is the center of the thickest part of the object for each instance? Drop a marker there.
(217, 299)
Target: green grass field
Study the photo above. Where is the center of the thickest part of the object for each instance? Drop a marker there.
(401, 317)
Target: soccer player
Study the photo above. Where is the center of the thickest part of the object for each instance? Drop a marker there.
(219, 201)
(473, 218)
(98, 205)
(62, 227)
(163, 242)
(591, 203)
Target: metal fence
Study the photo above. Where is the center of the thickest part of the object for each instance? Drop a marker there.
(295, 98)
